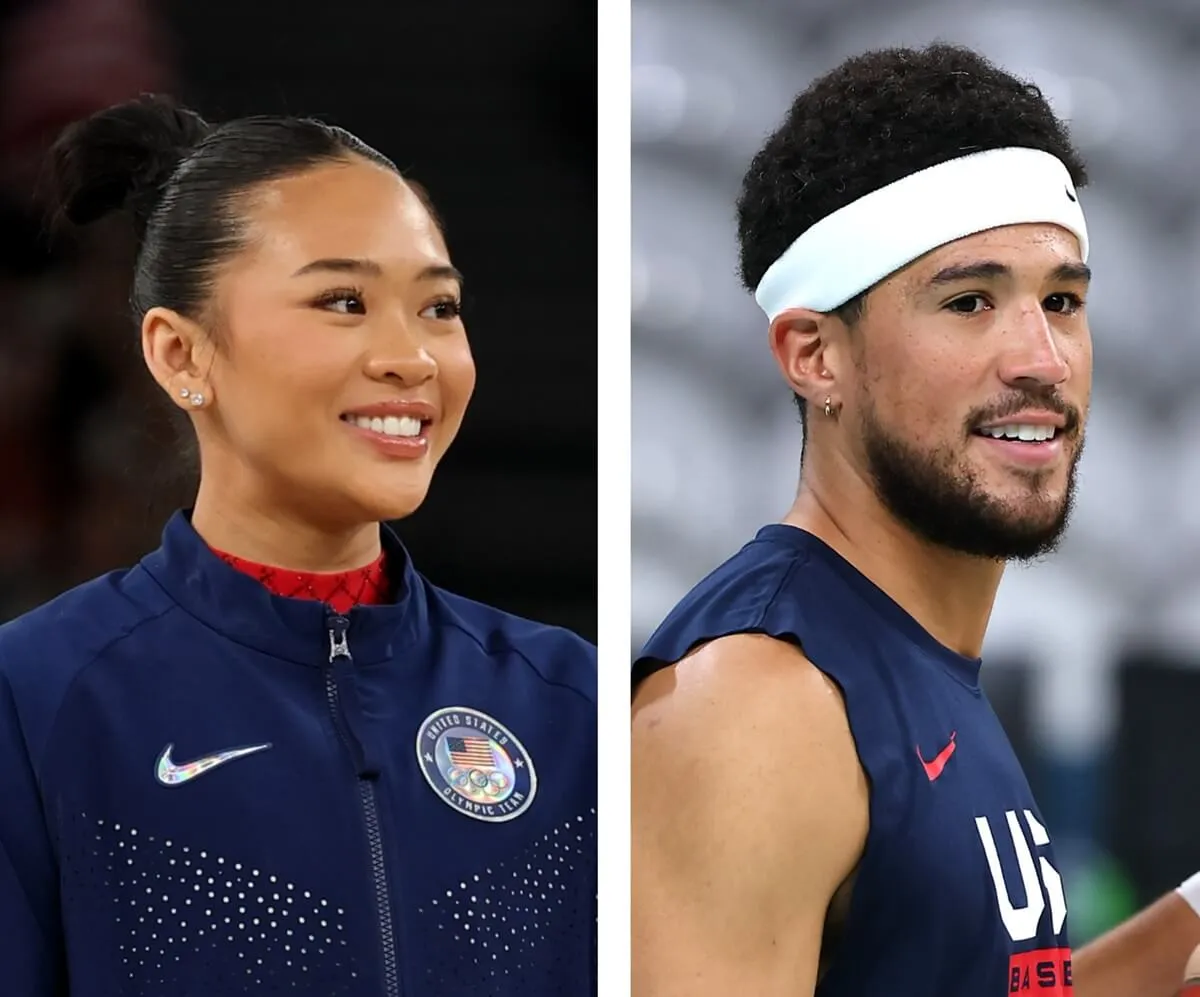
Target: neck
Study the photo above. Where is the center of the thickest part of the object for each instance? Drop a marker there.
(257, 529)
(949, 594)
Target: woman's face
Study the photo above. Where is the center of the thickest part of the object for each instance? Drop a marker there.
(342, 370)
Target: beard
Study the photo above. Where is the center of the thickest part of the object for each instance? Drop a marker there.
(942, 501)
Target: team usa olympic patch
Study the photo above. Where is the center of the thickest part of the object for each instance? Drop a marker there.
(475, 764)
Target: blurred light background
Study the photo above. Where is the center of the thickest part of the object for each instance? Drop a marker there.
(1093, 659)
(492, 108)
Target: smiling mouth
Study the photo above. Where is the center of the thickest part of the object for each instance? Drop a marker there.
(397, 426)
(1018, 433)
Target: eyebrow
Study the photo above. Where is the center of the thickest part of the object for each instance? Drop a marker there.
(990, 269)
(369, 268)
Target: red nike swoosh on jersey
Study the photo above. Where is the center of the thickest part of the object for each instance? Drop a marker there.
(934, 768)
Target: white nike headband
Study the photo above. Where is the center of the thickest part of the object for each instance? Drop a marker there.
(859, 245)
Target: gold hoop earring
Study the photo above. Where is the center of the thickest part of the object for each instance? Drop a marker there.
(828, 407)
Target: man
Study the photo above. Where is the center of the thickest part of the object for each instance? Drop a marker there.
(823, 800)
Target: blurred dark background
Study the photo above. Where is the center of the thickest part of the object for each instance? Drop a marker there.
(493, 108)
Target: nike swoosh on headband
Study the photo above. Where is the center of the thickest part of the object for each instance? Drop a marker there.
(170, 774)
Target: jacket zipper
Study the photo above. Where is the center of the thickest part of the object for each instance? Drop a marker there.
(339, 648)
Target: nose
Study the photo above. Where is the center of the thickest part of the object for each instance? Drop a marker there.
(1033, 357)
(401, 357)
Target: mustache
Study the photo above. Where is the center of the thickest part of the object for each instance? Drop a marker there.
(1019, 401)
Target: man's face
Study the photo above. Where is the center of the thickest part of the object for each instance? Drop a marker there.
(973, 370)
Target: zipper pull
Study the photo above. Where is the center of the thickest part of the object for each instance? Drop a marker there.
(339, 639)
(343, 697)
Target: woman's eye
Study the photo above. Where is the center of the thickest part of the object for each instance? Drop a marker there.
(447, 309)
(344, 302)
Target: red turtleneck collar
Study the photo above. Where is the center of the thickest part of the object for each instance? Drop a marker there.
(341, 590)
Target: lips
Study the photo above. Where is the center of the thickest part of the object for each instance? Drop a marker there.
(400, 426)
(1030, 423)
(1026, 432)
(416, 407)
(394, 418)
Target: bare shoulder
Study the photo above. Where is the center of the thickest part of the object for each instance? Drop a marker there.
(749, 810)
(749, 710)
(751, 669)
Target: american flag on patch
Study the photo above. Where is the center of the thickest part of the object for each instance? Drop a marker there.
(470, 752)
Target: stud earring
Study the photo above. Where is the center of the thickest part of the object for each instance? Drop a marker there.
(197, 400)
(184, 393)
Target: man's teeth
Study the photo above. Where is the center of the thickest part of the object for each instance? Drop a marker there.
(392, 425)
(1027, 434)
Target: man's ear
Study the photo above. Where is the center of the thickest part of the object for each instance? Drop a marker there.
(810, 353)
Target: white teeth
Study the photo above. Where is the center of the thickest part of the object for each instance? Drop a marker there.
(392, 425)
(1027, 434)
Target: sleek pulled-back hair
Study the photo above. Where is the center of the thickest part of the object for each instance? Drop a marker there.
(873, 120)
(182, 181)
(185, 185)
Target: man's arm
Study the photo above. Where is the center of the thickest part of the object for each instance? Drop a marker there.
(1143, 957)
(749, 809)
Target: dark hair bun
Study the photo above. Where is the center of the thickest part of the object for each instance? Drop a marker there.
(120, 158)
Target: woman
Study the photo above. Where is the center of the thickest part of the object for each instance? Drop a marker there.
(272, 757)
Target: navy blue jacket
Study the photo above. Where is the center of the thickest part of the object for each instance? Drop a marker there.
(957, 892)
(208, 790)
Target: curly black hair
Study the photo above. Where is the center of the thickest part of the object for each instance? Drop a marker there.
(873, 120)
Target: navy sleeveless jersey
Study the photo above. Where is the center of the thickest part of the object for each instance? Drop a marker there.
(957, 890)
